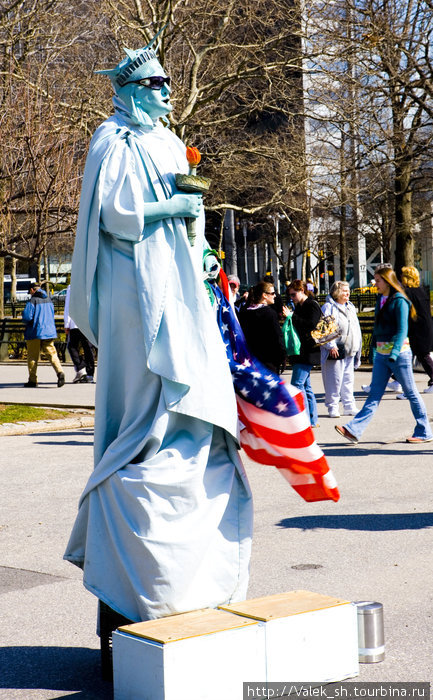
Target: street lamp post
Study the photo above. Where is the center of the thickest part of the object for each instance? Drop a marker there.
(245, 235)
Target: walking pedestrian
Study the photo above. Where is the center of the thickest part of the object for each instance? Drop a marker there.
(40, 333)
(392, 356)
(421, 328)
(340, 357)
(84, 364)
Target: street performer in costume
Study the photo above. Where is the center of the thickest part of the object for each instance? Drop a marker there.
(164, 523)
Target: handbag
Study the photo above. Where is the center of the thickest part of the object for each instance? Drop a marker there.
(290, 337)
(341, 352)
(326, 330)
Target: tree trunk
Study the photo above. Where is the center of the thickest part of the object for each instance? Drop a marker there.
(343, 247)
(343, 212)
(230, 243)
(404, 239)
(14, 279)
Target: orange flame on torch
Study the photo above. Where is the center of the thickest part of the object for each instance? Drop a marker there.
(193, 157)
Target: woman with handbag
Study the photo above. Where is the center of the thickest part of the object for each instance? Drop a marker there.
(305, 318)
(392, 356)
(340, 357)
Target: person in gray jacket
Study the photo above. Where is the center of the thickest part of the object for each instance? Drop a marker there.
(340, 357)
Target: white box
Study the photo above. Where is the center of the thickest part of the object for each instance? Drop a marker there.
(200, 655)
(309, 637)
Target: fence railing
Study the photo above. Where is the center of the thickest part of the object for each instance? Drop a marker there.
(15, 308)
(362, 302)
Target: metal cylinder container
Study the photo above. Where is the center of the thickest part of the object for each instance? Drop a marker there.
(371, 635)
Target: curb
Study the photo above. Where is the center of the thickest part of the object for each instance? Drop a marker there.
(46, 426)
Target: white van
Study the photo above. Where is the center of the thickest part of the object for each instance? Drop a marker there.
(23, 284)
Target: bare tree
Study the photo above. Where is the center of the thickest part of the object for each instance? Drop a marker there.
(236, 71)
(388, 49)
(239, 71)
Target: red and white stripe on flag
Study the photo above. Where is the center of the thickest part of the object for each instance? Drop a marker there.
(288, 443)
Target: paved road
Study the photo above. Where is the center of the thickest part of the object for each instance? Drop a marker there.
(374, 544)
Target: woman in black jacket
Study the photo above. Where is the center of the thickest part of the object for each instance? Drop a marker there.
(261, 327)
(305, 318)
(421, 329)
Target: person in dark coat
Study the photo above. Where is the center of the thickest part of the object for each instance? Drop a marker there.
(259, 322)
(420, 329)
(305, 318)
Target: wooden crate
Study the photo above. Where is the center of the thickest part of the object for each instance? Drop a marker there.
(205, 654)
(309, 637)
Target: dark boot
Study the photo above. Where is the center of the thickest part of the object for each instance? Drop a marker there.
(109, 620)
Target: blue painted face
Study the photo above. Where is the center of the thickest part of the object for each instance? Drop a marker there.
(142, 86)
(156, 103)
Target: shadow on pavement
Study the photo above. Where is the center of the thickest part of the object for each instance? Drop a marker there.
(374, 522)
(55, 668)
(359, 449)
(76, 433)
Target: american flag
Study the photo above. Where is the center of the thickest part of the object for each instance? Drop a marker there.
(275, 428)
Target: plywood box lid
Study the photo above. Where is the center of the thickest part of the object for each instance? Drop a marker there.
(283, 605)
(185, 625)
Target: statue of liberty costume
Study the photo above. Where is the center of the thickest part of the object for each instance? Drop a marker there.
(164, 523)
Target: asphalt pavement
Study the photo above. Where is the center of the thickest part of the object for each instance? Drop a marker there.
(374, 544)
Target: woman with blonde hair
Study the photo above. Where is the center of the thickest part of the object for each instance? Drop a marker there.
(393, 356)
(420, 329)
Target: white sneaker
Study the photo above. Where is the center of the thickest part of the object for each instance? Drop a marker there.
(393, 385)
(79, 376)
(366, 388)
(401, 396)
(429, 389)
(350, 411)
(334, 414)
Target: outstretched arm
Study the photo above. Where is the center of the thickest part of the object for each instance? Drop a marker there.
(180, 205)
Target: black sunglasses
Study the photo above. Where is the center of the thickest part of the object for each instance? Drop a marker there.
(155, 82)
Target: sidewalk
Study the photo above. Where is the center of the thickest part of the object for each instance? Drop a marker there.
(374, 544)
(13, 376)
(78, 397)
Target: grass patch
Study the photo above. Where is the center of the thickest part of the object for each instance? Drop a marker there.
(18, 413)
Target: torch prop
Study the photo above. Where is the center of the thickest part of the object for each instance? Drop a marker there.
(192, 183)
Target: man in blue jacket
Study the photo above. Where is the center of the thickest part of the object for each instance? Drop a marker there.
(40, 334)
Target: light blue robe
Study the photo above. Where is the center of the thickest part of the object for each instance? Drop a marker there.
(164, 523)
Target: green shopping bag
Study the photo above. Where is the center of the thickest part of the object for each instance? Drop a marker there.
(291, 338)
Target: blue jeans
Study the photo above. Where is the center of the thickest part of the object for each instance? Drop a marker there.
(301, 380)
(401, 368)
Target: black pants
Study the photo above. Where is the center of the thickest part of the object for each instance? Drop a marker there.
(427, 365)
(75, 339)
